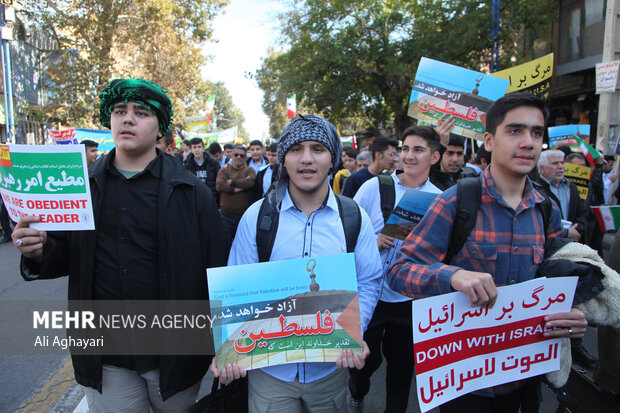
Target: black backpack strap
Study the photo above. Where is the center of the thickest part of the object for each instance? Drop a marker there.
(545, 209)
(268, 219)
(351, 218)
(266, 229)
(342, 178)
(545, 206)
(468, 197)
(387, 194)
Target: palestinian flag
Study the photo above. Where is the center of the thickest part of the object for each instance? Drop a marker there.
(608, 217)
(291, 106)
(589, 152)
(315, 328)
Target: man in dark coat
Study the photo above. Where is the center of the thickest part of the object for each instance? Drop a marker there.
(563, 192)
(157, 231)
(449, 169)
(201, 164)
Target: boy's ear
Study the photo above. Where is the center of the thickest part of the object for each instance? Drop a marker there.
(488, 141)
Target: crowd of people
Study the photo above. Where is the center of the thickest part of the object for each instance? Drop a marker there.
(162, 219)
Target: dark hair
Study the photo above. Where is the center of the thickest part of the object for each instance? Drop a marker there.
(239, 146)
(89, 144)
(215, 148)
(456, 140)
(273, 147)
(196, 141)
(352, 153)
(497, 111)
(256, 142)
(574, 155)
(565, 148)
(380, 144)
(185, 141)
(483, 154)
(228, 146)
(168, 138)
(610, 158)
(430, 136)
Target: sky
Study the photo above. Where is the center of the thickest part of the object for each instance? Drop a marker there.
(244, 32)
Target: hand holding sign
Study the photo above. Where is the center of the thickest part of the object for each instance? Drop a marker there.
(479, 287)
(384, 242)
(350, 360)
(227, 374)
(572, 324)
(445, 125)
(29, 241)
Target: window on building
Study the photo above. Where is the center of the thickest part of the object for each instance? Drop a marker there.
(595, 11)
(575, 32)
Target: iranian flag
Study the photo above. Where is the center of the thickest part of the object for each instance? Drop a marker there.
(210, 103)
(589, 152)
(291, 106)
(608, 217)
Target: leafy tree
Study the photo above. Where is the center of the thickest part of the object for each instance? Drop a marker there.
(104, 39)
(226, 114)
(275, 93)
(356, 60)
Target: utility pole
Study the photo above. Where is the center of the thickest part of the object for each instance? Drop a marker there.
(495, 26)
(8, 14)
(608, 101)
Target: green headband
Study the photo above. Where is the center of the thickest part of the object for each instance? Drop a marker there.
(140, 91)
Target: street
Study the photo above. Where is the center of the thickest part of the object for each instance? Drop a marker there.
(22, 376)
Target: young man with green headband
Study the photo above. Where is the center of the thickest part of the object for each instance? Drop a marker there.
(149, 212)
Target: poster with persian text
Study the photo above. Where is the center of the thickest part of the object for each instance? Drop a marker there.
(63, 137)
(607, 76)
(533, 76)
(580, 176)
(441, 88)
(290, 311)
(408, 213)
(50, 181)
(565, 135)
(460, 349)
(73, 136)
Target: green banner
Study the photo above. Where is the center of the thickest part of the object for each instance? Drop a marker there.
(38, 173)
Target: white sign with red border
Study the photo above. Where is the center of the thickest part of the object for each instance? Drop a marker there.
(460, 349)
(607, 77)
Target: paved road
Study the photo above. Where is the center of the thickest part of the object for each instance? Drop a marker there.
(22, 376)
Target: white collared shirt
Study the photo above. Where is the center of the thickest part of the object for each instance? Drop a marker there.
(369, 199)
(319, 234)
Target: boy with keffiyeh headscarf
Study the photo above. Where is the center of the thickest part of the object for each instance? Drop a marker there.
(149, 213)
(309, 225)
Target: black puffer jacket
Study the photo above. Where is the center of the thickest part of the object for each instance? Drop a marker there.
(190, 240)
(207, 172)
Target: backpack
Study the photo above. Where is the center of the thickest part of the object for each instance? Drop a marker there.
(387, 195)
(468, 197)
(268, 218)
(341, 180)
